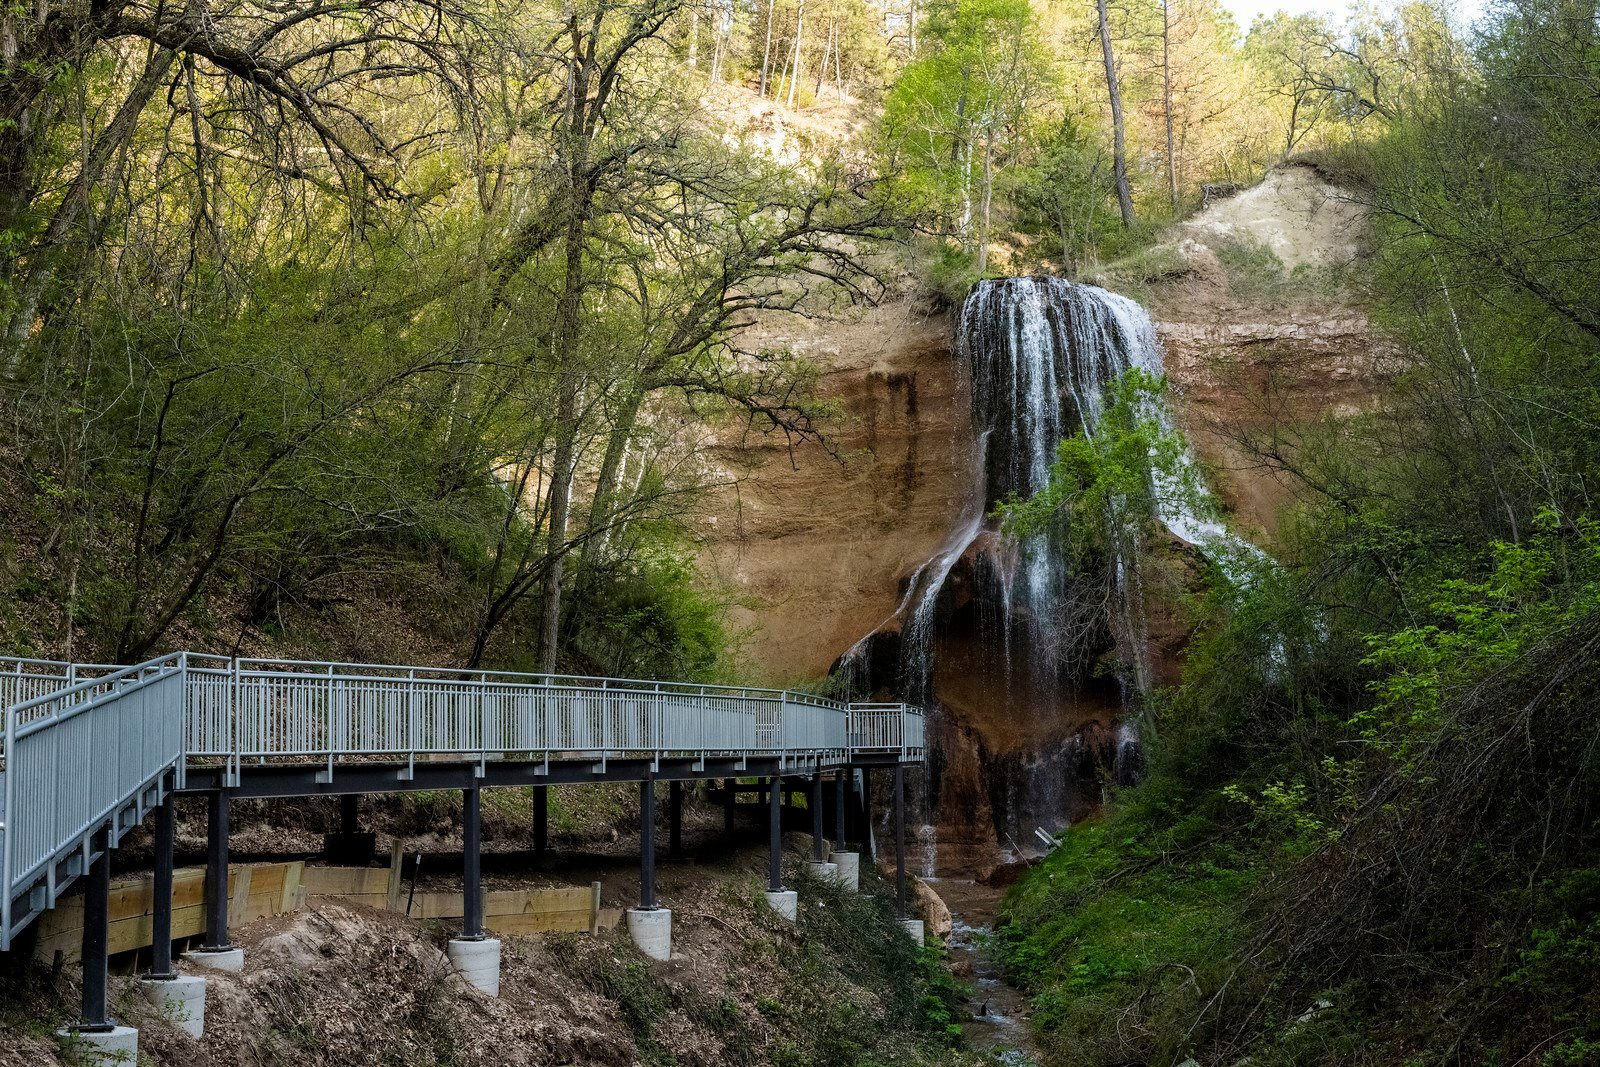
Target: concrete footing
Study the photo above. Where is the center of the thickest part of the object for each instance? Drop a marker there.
(118, 1045)
(228, 960)
(786, 902)
(652, 931)
(182, 998)
(914, 930)
(478, 962)
(849, 864)
(827, 872)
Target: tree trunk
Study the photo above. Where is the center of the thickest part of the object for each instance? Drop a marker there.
(838, 71)
(1118, 134)
(605, 489)
(694, 38)
(827, 52)
(1166, 101)
(987, 196)
(766, 52)
(799, 44)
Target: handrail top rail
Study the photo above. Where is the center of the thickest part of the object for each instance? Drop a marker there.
(173, 659)
(261, 667)
(256, 666)
(29, 661)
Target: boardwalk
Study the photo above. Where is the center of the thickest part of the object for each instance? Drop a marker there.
(90, 750)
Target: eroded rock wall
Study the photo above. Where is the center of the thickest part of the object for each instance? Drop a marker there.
(817, 542)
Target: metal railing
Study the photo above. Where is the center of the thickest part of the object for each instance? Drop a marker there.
(887, 728)
(86, 756)
(88, 746)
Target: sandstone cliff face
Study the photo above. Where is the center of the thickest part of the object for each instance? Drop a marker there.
(1256, 345)
(817, 542)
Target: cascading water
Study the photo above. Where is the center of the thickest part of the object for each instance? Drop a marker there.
(1034, 661)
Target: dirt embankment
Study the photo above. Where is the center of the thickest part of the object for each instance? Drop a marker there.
(339, 985)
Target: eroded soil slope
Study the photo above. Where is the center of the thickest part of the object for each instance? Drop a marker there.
(340, 985)
(1254, 299)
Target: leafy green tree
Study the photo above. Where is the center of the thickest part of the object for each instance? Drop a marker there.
(961, 110)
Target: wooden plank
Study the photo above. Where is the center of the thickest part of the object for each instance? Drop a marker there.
(262, 890)
(397, 860)
(132, 904)
(239, 883)
(291, 888)
(345, 881)
(522, 902)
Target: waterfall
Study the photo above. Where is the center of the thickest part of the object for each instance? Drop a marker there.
(1032, 633)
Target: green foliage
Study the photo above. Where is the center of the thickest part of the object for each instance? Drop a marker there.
(1129, 926)
(1388, 740)
(1104, 475)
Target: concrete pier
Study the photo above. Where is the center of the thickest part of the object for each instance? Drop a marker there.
(827, 872)
(227, 960)
(112, 1045)
(478, 962)
(182, 997)
(786, 902)
(651, 929)
(849, 870)
(914, 930)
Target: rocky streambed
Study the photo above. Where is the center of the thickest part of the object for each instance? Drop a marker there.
(998, 1012)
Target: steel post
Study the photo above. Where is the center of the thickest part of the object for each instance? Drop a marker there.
(674, 819)
(472, 864)
(96, 935)
(900, 841)
(818, 852)
(161, 893)
(868, 845)
(775, 818)
(217, 872)
(839, 796)
(647, 844)
(541, 819)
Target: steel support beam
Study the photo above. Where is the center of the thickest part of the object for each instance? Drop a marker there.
(96, 937)
(217, 873)
(868, 845)
(814, 802)
(471, 864)
(900, 841)
(730, 797)
(839, 796)
(541, 819)
(647, 844)
(308, 779)
(775, 836)
(161, 893)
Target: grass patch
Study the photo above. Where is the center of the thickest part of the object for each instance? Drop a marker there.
(1121, 934)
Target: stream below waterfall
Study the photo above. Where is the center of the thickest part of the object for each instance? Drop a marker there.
(997, 1019)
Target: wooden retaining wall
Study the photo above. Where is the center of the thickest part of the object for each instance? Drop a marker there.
(260, 890)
